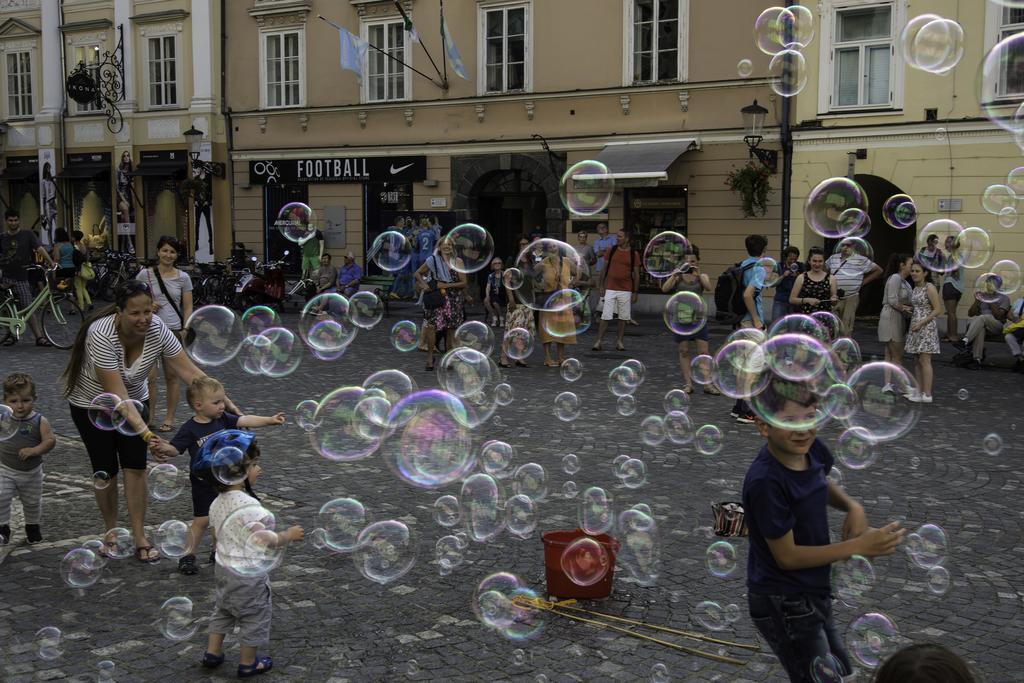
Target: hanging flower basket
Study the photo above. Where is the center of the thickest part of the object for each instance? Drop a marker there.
(752, 184)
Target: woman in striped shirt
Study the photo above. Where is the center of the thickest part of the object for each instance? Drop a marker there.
(113, 354)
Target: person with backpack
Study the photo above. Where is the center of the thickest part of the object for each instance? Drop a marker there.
(618, 287)
(752, 314)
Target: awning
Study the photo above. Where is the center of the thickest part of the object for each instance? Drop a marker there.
(82, 171)
(155, 170)
(643, 160)
(19, 172)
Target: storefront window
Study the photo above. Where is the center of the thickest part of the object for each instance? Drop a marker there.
(382, 200)
(165, 213)
(653, 210)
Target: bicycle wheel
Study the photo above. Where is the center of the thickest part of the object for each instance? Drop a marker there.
(61, 321)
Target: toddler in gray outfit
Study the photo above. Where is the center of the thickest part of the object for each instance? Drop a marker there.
(25, 437)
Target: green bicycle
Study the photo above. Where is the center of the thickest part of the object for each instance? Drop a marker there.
(61, 317)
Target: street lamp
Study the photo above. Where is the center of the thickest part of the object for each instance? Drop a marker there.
(194, 138)
(753, 127)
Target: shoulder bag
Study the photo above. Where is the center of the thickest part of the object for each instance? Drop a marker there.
(190, 334)
(433, 298)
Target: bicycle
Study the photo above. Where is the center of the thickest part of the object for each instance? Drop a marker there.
(115, 270)
(61, 316)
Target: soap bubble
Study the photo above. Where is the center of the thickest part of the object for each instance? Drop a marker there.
(447, 511)
(872, 637)
(899, 211)
(106, 671)
(569, 489)
(941, 228)
(296, 222)
(623, 381)
(741, 369)
(992, 443)
(678, 427)
(997, 197)
(391, 251)
(768, 31)
(393, 385)
(102, 412)
(405, 336)
(571, 369)
(47, 642)
(587, 188)
(708, 440)
(570, 464)
(840, 402)
(503, 394)
(881, 409)
(930, 547)
(639, 550)
(384, 551)
(463, 371)
(256, 319)
(625, 405)
(448, 552)
(1008, 217)
(365, 309)
(218, 335)
(931, 43)
(496, 458)
(164, 482)
(704, 369)
(972, 249)
(481, 499)
(513, 278)
(325, 324)
(652, 430)
(787, 73)
(797, 26)
(176, 622)
(826, 669)
(342, 519)
(124, 426)
(435, 445)
(518, 343)
(826, 203)
(261, 549)
(938, 580)
(475, 335)
(499, 602)
(546, 265)
(720, 559)
(595, 511)
(633, 473)
(79, 568)
(521, 515)
(531, 480)
(710, 615)
(225, 465)
(472, 248)
(567, 406)
(835, 476)
(744, 68)
(585, 561)
(118, 543)
(853, 579)
(685, 313)
(856, 449)
(665, 254)
(795, 357)
(173, 538)
(305, 414)
(676, 399)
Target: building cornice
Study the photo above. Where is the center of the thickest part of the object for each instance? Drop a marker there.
(902, 134)
(153, 17)
(90, 25)
(280, 12)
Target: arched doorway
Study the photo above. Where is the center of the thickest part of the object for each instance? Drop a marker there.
(884, 239)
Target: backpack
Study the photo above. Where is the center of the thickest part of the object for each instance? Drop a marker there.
(77, 257)
(729, 304)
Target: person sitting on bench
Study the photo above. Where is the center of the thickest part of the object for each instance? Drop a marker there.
(983, 317)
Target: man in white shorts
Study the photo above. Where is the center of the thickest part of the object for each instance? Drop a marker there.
(618, 288)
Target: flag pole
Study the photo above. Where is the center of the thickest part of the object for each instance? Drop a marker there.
(408, 21)
(444, 48)
(383, 52)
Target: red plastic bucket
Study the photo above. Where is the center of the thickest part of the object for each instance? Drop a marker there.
(559, 584)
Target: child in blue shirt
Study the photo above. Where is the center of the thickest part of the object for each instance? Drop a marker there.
(206, 396)
(786, 494)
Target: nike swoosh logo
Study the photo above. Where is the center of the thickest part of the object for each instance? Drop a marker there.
(399, 169)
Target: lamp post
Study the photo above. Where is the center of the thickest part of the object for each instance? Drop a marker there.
(753, 128)
(194, 138)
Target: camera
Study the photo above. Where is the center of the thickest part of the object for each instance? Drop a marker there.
(841, 294)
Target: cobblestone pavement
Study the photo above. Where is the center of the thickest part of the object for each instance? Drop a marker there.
(331, 624)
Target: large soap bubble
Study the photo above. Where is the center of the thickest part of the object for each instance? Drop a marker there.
(296, 222)
(587, 188)
(218, 335)
(336, 435)
(547, 266)
(385, 551)
(435, 446)
(827, 203)
(881, 409)
(472, 248)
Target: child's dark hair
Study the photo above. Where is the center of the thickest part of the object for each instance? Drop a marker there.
(755, 244)
(18, 382)
(779, 391)
(236, 471)
(924, 663)
(61, 235)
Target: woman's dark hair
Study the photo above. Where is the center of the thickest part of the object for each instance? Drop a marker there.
(168, 239)
(815, 251)
(692, 249)
(893, 267)
(791, 249)
(124, 293)
(927, 273)
(61, 235)
(924, 663)
(78, 235)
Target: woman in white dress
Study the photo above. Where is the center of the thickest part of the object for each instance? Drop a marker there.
(923, 337)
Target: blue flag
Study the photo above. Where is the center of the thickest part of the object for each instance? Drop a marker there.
(353, 52)
(453, 52)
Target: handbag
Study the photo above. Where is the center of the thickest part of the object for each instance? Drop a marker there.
(190, 334)
(86, 272)
(433, 298)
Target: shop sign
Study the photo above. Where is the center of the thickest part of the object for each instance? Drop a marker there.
(82, 88)
(438, 203)
(658, 202)
(340, 170)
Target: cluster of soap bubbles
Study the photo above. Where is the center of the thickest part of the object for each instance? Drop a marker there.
(504, 603)
(713, 616)
(83, 567)
(928, 548)
(109, 412)
(782, 33)
(931, 43)
(382, 551)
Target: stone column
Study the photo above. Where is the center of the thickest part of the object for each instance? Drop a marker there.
(122, 12)
(204, 37)
(53, 70)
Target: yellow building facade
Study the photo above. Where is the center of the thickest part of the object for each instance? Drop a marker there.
(651, 87)
(867, 112)
(113, 164)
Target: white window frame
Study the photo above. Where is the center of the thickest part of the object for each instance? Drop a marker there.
(264, 35)
(628, 40)
(826, 74)
(994, 28)
(481, 41)
(31, 85)
(95, 49)
(406, 57)
(177, 71)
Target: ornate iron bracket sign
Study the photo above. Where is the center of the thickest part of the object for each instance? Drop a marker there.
(102, 84)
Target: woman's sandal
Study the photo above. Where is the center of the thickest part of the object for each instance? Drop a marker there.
(142, 554)
(261, 666)
(166, 427)
(43, 341)
(212, 661)
(687, 389)
(522, 364)
(504, 365)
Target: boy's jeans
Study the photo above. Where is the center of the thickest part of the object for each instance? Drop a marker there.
(799, 629)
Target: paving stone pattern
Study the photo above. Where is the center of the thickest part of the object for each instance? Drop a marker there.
(331, 624)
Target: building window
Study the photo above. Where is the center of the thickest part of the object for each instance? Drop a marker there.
(163, 76)
(90, 56)
(282, 69)
(657, 44)
(862, 57)
(505, 47)
(19, 85)
(386, 79)
(1011, 81)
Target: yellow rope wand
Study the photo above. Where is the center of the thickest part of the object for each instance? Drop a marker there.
(558, 607)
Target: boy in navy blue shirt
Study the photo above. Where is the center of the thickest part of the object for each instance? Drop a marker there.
(206, 396)
(786, 494)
